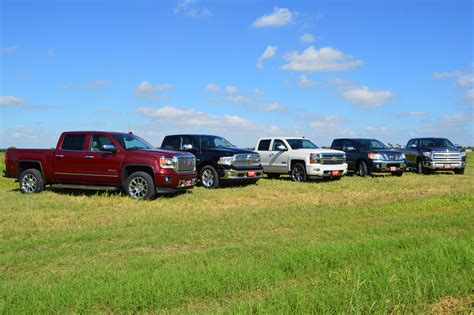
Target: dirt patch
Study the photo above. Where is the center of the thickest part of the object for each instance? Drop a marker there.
(453, 305)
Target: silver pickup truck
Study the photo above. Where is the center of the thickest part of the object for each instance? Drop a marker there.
(300, 158)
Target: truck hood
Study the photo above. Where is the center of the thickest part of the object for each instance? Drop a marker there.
(443, 149)
(308, 151)
(230, 151)
(382, 151)
(167, 153)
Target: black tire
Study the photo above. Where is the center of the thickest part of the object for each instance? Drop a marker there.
(140, 185)
(362, 169)
(298, 172)
(420, 169)
(459, 171)
(397, 173)
(273, 175)
(31, 181)
(208, 177)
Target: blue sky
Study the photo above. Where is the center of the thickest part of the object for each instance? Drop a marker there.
(242, 69)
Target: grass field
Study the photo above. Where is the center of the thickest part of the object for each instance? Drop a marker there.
(381, 245)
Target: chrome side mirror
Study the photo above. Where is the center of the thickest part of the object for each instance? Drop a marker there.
(281, 147)
(187, 147)
(350, 149)
(108, 148)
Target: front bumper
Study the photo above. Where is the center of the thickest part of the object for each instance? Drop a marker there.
(321, 170)
(387, 166)
(444, 164)
(172, 183)
(233, 174)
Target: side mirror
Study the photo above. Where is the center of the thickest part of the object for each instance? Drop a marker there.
(412, 146)
(187, 147)
(108, 148)
(281, 147)
(350, 149)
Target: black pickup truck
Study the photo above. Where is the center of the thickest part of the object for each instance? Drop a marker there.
(369, 156)
(427, 155)
(218, 161)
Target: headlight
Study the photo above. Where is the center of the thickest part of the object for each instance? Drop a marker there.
(375, 156)
(226, 160)
(315, 158)
(166, 162)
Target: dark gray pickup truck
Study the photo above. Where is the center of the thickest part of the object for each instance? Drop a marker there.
(427, 155)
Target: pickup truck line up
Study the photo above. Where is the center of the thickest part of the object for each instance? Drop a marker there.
(98, 160)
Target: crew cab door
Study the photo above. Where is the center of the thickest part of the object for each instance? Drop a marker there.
(263, 149)
(411, 152)
(103, 167)
(278, 162)
(352, 154)
(70, 166)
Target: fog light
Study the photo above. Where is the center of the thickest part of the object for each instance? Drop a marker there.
(168, 180)
(377, 166)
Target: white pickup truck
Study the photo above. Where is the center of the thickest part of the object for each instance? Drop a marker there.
(300, 158)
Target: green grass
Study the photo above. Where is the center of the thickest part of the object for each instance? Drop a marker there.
(360, 245)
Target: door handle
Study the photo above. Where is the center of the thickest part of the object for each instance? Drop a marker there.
(59, 155)
(89, 156)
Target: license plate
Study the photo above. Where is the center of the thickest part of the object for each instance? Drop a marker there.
(189, 182)
(251, 174)
(447, 165)
(335, 173)
(393, 168)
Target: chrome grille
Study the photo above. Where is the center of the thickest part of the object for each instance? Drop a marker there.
(446, 156)
(332, 159)
(186, 164)
(393, 156)
(251, 159)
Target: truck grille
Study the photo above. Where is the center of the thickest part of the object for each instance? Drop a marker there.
(445, 156)
(186, 164)
(332, 159)
(252, 159)
(393, 156)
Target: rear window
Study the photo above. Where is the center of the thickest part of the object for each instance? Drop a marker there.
(74, 142)
(264, 145)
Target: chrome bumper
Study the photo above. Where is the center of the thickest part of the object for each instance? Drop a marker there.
(241, 174)
(441, 164)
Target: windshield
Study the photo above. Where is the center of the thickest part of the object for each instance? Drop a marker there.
(214, 142)
(371, 144)
(296, 144)
(131, 142)
(435, 142)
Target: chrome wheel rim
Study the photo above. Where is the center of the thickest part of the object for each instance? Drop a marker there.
(297, 174)
(29, 183)
(138, 187)
(361, 169)
(207, 178)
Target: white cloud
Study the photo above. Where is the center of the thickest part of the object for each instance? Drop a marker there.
(269, 52)
(230, 89)
(9, 50)
(466, 80)
(307, 38)
(146, 88)
(377, 130)
(367, 98)
(212, 87)
(11, 101)
(279, 17)
(27, 136)
(326, 122)
(412, 114)
(98, 84)
(324, 59)
(447, 75)
(305, 82)
(469, 97)
(273, 107)
(191, 8)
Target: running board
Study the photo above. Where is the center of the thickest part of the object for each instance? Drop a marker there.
(87, 187)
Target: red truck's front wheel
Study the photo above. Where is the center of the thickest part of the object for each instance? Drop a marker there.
(139, 185)
(31, 181)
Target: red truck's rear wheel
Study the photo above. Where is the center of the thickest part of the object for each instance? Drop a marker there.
(139, 185)
(31, 181)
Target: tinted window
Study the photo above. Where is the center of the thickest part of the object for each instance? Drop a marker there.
(97, 141)
(214, 142)
(277, 143)
(73, 142)
(132, 142)
(347, 144)
(337, 144)
(412, 141)
(264, 145)
(296, 144)
(435, 142)
(171, 143)
(371, 144)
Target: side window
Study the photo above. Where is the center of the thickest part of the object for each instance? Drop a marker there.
(97, 141)
(74, 142)
(348, 144)
(410, 143)
(277, 143)
(337, 144)
(264, 145)
(186, 140)
(171, 143)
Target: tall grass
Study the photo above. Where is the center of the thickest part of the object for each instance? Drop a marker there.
(384, 244)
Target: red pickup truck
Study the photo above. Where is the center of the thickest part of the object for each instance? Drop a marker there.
(102, 160)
